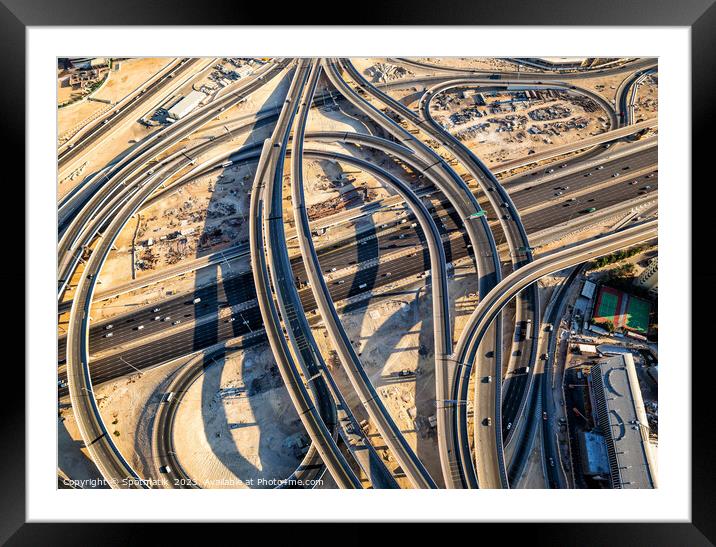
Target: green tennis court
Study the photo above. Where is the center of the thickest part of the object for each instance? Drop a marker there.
(638, 314)
(607, 305)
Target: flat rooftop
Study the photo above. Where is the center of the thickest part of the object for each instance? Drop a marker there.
(620, 416)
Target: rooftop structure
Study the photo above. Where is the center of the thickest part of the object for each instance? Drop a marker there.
(586, 349)
(649, 278)
(588, 289)
(244, 71)
(186, 105)
(610, 349)
(593, 450)
(620, 417)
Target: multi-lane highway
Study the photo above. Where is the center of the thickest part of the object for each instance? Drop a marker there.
(272, 301)
(509, 287)
(268, 247)
(236, 290)
(89, 137)
(545, 75)
(110, 462)
(465, 205)
(361, 448)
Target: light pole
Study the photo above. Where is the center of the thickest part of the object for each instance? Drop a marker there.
(130, 364)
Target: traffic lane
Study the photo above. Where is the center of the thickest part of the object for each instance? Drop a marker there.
(241, 289)
(606, 197)
(179, 344)
(102, 127)
(163, 139)
(510, 76)
(546, 191)
(522, 199)
(447, 222)
(182, 308)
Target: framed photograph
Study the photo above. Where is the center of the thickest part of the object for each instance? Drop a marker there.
(275, 264)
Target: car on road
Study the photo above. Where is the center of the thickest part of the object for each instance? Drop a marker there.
(615, 175)
(139, 327)
(544, 416)
(600, 167)
(509, 426)
(487, 379)
(165, 469)
(647, 187)
(340, 282)
(487, 421)
(176, 322)
(155, 310)
(545, 357)
(109, 327)
(109, 335)
(588, 174)
(558, 193)
(196, 300)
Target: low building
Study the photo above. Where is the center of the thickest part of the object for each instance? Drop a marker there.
(86, 63)
(619, 416)
(588, 290)
(186, 105)
(587, 349)
(244, 71)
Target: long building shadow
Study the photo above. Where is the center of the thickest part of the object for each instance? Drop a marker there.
(215, 298)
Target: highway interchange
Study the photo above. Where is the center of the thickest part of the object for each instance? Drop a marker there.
(276, 298)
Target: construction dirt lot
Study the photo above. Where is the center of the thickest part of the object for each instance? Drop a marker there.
(505, 126)
(236, 423)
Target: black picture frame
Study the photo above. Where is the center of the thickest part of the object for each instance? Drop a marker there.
(699, 15)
